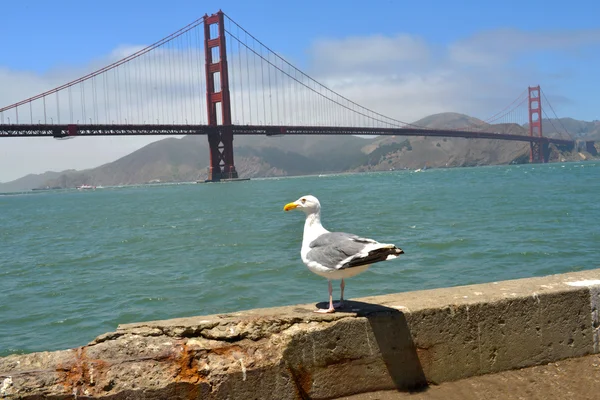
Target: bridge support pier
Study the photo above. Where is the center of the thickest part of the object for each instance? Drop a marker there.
(590, 147)
(539, 152)
(535, 152)
(217, 97)
(221, 156)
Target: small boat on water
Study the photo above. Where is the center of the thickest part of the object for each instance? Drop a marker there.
(86, 187)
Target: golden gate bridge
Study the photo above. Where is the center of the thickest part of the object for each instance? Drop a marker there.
(214, 78)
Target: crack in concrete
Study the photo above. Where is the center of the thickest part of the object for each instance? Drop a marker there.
(595, 306)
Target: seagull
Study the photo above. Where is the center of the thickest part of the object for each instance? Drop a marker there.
(336, 255)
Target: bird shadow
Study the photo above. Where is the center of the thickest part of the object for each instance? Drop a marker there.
(393, 337)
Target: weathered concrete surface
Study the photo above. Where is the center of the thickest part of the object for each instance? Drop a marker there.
(399, 341)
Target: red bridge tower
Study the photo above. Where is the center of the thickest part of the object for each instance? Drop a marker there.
(538, 151)
(217, 99)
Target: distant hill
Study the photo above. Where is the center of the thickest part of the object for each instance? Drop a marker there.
(30, 181)
(450, 152)
(449, 120)
(167, 160)
(299, 155)
(187, 159)
(583, 130)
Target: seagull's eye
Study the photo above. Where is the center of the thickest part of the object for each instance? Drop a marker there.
(303, 201)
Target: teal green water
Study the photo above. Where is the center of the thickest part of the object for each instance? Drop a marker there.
(74, 265)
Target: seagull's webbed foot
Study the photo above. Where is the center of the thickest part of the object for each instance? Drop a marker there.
(325, 310)
(338, 304)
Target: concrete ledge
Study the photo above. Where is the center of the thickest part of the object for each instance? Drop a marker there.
(399, 341)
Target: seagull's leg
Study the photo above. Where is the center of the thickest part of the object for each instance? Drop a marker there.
(341, 302)
(331, 309)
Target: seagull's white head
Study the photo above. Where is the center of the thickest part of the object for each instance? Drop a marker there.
(309, 204)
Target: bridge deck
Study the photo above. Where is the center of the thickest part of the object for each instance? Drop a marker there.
(71, 130)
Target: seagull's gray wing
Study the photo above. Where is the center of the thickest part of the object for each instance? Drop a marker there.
(333, 248)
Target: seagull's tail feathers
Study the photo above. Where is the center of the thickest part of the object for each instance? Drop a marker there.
(376, 253)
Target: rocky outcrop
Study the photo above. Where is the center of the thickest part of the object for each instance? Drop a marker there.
(401, 341)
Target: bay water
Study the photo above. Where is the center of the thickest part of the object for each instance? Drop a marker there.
(75, 264)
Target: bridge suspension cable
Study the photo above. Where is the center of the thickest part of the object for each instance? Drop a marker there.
(287, 95)
(138, 88)
(555, 117)
(521, 98)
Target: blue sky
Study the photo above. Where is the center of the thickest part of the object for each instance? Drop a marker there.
(42, 34)
(481, 54)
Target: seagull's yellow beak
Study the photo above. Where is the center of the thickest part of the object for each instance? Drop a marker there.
(289, 206)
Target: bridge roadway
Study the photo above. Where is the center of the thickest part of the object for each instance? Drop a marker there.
(74, 130)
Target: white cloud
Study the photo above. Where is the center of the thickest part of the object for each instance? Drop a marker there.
(501, 45)
(372, 54)
(408, 78)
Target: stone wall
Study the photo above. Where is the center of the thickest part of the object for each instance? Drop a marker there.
(400, 341)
